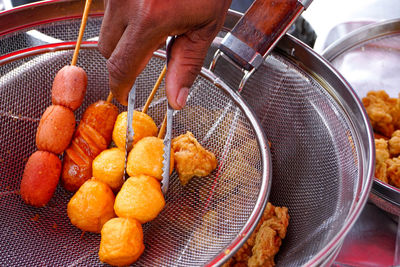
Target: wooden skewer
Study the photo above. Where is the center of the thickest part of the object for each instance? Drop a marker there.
(109, 97)
(81, 31)
(163, 126)
(155, 88)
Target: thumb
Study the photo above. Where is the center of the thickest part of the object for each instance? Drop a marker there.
(186, 59)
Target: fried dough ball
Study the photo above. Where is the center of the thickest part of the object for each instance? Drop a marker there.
(91, 206)
(121, 241)
(146, 157)
(108, 167)
(191, 158)
(140, 198)
(393, 171)
(394, 143)
(143, 125)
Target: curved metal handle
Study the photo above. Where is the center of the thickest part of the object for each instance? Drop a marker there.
(257, 32)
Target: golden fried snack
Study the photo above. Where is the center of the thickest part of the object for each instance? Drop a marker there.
(55, 129)
(393, 171)
(143, 125)
(394, 143)
(140, 198)
(381, 155)
(191, 158)
(121, 242)
(383, 112)
(91, 206)
(40, 178)
(263, 244)
(146, 157)
(108, 167)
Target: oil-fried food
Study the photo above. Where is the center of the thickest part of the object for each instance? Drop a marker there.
(91, 206)
(264, 242)
(140, 198)
(121, 242)
(191, 159)
(394, 143)
(381, 155)
(143, 125)
(108, 167)
(383, 112)
(393, 171)
(40, 178)
(146, 157)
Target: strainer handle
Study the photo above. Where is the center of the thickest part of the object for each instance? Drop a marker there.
(261, 27)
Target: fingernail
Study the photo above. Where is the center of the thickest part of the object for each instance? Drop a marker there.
(182, 97)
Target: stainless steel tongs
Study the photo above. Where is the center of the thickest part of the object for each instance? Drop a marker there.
(167, 138)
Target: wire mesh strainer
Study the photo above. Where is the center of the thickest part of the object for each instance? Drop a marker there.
(320, 153)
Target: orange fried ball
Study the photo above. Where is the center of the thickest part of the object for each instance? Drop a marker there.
(140, 198)
(146, 157)
(143, 125)
(91, 206)
(108, 167)
(121, 241)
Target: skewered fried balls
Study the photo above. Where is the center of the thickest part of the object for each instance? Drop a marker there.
(146, 157)
(91, 206)
(140, 198)
(143, 125)
(121, 241)
(108, 167)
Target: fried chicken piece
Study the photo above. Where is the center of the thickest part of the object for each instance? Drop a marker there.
(382, 151)
(381, 155)
(191, 158)
(394, 143)
(380, 109)
(393, 171)
(263, 244)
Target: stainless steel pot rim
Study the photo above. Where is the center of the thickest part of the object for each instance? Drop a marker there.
(361, 35)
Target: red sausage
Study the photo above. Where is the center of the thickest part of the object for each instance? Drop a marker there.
(56, 129)
(92, 136)
(40, 178)
(69, 87)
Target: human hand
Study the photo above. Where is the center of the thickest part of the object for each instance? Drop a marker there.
(133, 29)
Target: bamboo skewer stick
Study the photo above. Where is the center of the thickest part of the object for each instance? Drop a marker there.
(81, 31)
(155, 88)
(163, 126)
(109, 97)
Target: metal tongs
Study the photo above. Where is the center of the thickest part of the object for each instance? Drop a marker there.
(167, 138)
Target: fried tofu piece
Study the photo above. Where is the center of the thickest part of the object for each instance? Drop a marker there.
(191, 159)
(393, 171)
(381, 109)
(264, 243)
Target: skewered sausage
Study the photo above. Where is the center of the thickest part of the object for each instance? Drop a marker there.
(55, 129)
(40, 178)
(92, 136)
(69, 87)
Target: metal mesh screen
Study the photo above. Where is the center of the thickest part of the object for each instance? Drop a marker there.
(314, 159)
